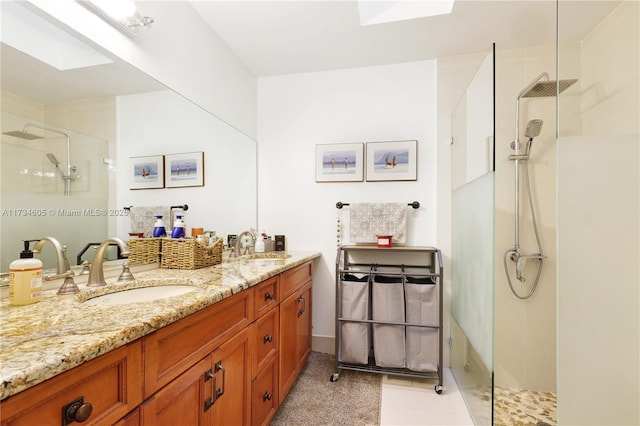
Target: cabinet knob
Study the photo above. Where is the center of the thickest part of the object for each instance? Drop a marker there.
(266, 396)
(267, 338)
(268, 296)
(76, 411)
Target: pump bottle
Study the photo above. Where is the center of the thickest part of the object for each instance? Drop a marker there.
(178, 228)
(25, 278)
(158, 229)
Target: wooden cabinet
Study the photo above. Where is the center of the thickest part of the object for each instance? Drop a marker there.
(171, 350)
(266, 345)
(295, 325)
(214, 391)
(183, 401)
(232, 382)
(105, 389)
(221, 366)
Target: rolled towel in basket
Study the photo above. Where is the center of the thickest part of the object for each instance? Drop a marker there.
(144, 218)
(367, 220)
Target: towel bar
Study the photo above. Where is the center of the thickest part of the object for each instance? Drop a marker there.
(184, 207)
(339, 204)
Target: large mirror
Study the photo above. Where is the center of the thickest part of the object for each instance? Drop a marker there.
(69, 132)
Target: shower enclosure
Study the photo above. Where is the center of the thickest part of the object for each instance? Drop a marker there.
(43, 196)
(573, 262)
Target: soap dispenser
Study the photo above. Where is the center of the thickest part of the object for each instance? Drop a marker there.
(259, 245)
(158, 229)
(25, 278)
(178, 228)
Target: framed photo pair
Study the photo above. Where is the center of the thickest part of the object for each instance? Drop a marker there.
(384, 161)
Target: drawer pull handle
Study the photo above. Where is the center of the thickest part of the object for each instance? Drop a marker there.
(76, 411)
(268, 296)
(208, 375)
(267, 338)
(208, 403)
(266, 396)
(219, 392)
(303, 308)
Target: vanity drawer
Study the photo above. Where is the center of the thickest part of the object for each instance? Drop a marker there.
(293, 279)
(109, 383)
(266, 339)
(266, 295)
(173, 349)
(264, 395)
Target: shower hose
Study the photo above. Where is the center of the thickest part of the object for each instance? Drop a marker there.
(510, 252)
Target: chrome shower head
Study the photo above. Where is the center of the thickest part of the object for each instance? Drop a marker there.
(533, 128)
(543, 89)
(53, 159)
(22, 135)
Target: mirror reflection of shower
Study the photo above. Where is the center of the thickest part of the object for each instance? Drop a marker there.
(541, 86)
(66, 175)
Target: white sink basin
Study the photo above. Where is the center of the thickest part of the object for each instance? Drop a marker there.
(142, 294)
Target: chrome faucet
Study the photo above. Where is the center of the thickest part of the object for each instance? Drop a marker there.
(242, 244)
(61, 253)
(96, 274)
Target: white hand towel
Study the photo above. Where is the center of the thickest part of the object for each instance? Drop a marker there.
(367, 220)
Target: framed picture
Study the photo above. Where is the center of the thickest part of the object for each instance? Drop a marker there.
(391, 160)
(184, 169)
(342, 162)
(146, 172)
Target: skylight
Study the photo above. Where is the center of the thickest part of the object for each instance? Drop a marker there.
(379, 12)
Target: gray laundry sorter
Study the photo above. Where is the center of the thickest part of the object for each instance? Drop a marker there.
(389, 311)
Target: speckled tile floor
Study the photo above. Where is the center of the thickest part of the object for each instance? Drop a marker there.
(524, 407)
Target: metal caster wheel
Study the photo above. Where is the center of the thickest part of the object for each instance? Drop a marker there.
(334, 377)
(438, 389)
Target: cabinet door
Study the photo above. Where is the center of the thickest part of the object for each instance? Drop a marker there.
(232, 381)
(303, 326)
(295, 336)
(184, 401)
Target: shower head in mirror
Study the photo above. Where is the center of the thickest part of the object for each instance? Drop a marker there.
(53, 159)
(22, 135)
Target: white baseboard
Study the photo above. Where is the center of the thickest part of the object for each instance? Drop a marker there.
(323, 344)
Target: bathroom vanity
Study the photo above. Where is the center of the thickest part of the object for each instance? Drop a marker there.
(225, 353)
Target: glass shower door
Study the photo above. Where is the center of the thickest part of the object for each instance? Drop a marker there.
(472, 239)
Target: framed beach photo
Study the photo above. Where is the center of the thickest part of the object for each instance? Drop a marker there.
(388, 161)
(146, 172)
(342, 162)
(184, 169)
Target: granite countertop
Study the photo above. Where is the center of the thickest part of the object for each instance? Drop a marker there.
(44, 339)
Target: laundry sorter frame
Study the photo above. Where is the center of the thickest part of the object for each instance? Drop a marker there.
(429, 272)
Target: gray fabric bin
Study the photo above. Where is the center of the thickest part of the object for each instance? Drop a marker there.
(355, 338)
(388, 305)
(422, 344)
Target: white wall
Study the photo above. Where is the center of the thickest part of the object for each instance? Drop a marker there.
(296, 112)
(599, 230)
(154, 124)
(180, 50)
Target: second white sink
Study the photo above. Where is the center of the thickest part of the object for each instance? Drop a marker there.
(142, 294)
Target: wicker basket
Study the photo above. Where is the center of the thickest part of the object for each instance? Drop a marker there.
(186, 253)
(143, 251)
